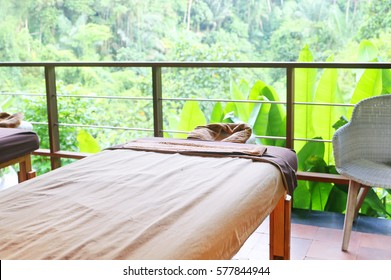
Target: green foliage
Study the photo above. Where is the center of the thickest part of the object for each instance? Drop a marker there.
(311, 156)
(305, 79)
(87, 143)
(370, 84)
(377, 19)
(149, 30)
(217, 115)
(191, 116)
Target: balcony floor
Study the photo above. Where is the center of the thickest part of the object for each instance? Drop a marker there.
(318, 236)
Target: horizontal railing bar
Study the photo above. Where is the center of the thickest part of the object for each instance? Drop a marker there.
(79, 96)
(312, 140)
(104, 127)
(184, 99)
(38, 123)
(21, 93)
(270, 137)
(254, 101)
(202, 64)
(324, 104)
(105, 97)
(221, 100)
(175, 131)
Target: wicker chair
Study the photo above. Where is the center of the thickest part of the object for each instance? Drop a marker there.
(362, 151)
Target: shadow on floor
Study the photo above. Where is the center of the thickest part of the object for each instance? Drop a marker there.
(335, 220)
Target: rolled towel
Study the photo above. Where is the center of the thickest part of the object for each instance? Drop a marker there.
(224, 132)
(10, 121)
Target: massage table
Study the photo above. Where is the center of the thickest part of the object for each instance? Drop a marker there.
(152, 199)
(16, 146)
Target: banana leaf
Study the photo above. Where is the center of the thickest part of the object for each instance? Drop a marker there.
(276, 125)
(325, 116)
(369, 85)
(217, 114)
(367, 52)
(242, 108)
(320, 192)
(386, 81)
(304, 92)
(372, 204)
(311, 152)
(5, 104)
(87, 143)
(302, 196)
(325, 93)
(191, 116)
(259, 119)
(255, 93)
(337, 199)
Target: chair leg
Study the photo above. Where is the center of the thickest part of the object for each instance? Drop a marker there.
(353, 190)
(361, 196)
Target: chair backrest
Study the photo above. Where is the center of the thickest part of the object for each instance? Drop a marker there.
(371, 119)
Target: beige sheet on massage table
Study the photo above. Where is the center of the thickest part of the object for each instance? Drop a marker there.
(126, 204)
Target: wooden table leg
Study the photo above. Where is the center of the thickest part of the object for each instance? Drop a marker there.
(25, 169)
(280, 230)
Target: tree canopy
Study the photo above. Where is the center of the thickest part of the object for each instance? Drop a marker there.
(150, 30)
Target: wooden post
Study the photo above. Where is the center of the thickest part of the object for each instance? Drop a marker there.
(290, 102)
(157, 101)
(52, 109)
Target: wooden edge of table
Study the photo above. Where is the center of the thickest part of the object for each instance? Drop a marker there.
(280, 229)
(25, 168)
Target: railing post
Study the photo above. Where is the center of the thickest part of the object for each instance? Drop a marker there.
(52, 109)
(290, 97)
(157, 101)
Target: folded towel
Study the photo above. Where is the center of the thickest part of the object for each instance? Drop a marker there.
(224, 132)
(10, 121)
(190, 147)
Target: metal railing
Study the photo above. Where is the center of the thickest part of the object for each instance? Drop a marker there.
(55, 153)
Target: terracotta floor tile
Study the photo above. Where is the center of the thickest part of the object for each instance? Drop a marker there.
(365, 253)
(336, 236)
(299, 248)
(255, 242)
(328, 234)
(260, 252)
(318, 243)
(256, 239)
(326, 250)
(304, 231)
(376, 241)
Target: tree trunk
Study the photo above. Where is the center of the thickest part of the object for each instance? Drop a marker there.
(347, 11)
(189, 4)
